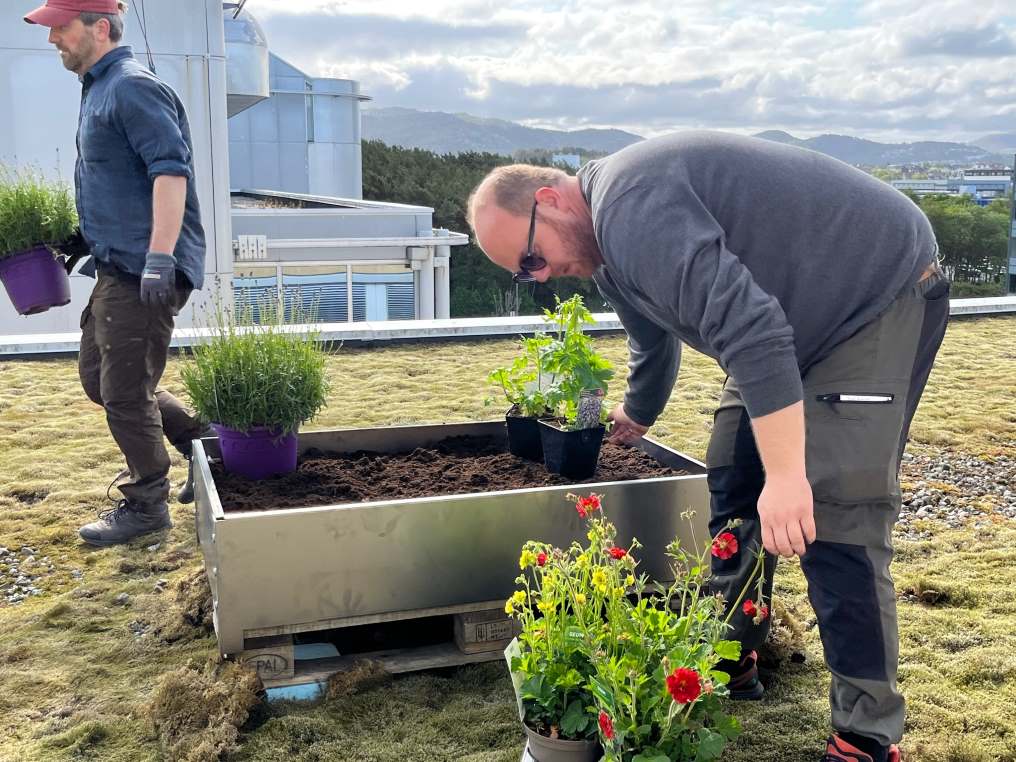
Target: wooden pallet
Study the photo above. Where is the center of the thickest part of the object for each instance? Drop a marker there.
(411, 641)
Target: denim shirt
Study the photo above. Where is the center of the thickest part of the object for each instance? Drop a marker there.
(132, 129)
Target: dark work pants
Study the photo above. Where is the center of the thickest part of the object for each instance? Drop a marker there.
(853, 452)
(124, 346)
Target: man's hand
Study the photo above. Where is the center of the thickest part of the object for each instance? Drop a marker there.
(785, 505)
(624, 430)
(73, 249)
(786, 510)
(158, 279)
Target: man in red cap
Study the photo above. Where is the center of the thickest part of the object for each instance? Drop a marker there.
(140, 222)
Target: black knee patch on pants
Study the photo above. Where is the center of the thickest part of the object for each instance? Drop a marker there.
(842, 589)
(735, 470)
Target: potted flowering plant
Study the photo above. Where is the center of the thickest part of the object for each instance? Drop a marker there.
(571, 442)
(256, 383)
(526, 386)
(548, 660)
(36, 218)
(652, 650)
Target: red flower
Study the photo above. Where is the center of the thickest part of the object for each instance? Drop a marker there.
(586, 505)
(606, 726)
(758, 613)
(724, 546)
(541, 559)
(684, 685)
(618, 553)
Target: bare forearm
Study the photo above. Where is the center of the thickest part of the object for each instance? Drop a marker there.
(780, 439)
(169, 198)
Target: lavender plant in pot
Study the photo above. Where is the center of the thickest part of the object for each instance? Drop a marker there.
(36, 218)
(572, 440)
(255, 384)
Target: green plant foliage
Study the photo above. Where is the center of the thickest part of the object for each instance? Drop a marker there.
(33, 211)
(973, 240)
(526, 383)
(251, 374)
(573, 363)
(552, 371)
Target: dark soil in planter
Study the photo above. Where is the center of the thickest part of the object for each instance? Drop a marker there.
(458, 465)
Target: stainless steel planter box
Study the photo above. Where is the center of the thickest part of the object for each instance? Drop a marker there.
(306, 569)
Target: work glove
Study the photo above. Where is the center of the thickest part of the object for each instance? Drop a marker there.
(74, 249)
(158, 279)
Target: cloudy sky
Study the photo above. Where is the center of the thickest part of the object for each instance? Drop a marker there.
(882, 69)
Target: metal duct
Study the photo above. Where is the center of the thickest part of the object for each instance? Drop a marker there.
(246, 59)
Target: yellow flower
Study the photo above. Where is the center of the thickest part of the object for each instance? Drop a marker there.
(582, 561)
(509, 607)
(580, 598)
(519, 597)
(599, 578)
(619, 590)
(629, 580)
(545, 606)
(528, 558)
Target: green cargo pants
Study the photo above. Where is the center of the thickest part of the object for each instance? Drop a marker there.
(124, 346)
(859, 402)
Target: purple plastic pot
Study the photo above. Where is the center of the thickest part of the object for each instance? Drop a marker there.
(35, 280)
(256, 454)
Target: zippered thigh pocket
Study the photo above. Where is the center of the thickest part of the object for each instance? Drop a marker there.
(852, 443)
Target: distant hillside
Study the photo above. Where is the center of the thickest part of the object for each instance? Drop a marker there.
(871, 153)
(455, 133)
(1004, 143)
(444, 133)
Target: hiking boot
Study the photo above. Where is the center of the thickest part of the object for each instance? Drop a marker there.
(186, 493)
(125, 522)
(839, 750)
(744, 684)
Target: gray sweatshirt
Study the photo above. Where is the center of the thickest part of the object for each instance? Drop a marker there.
(760, 255)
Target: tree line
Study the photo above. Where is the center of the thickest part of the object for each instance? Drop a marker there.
(972, 239)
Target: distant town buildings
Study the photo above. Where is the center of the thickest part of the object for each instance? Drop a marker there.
(982, 184)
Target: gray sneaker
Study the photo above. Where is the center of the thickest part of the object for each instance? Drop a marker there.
(186, 493)
(125, 522)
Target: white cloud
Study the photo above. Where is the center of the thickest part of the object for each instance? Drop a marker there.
(890, 69)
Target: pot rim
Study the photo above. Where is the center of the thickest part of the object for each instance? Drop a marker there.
(559, 742)
(253, 430)
(554, 423)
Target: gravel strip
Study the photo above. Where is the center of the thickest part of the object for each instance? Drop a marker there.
(949, 489)
(20, 572)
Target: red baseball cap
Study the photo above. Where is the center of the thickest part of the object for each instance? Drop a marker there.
(61, 12)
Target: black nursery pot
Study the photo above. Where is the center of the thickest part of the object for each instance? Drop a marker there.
(571, 453)
(524, 437)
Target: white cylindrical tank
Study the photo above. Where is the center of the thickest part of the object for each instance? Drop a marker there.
(246, 59)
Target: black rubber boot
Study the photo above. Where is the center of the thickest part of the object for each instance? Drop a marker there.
(744, 684)
(125, 522)
(186, 493)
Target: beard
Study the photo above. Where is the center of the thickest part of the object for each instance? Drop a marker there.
(580, 240)
(74, 60)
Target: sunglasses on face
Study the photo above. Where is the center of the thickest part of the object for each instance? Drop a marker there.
(530, 262)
